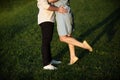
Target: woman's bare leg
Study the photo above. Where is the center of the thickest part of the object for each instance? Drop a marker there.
(87, 46)
(73, 57)
(74, 42)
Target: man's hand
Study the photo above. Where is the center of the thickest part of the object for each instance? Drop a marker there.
(61, 9)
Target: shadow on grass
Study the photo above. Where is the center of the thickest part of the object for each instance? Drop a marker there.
(109, 29)
(61, 53)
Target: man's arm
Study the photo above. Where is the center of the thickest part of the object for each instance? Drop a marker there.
(59, 9)
(44, 4)
(54, 8)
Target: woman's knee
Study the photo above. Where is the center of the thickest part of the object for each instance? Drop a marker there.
(63, 38)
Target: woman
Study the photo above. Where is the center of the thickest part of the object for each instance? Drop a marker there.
(64, 28)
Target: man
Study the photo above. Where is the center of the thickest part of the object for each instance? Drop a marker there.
(46, 22)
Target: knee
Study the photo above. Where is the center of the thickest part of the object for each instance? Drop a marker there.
(63, 38)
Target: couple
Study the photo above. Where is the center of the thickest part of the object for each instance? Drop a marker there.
(64, 27)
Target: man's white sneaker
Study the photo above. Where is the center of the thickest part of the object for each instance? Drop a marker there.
(49, 67)
(55, 62)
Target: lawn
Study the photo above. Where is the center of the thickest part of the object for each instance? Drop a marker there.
(97, 21)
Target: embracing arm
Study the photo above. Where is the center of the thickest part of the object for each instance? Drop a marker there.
(58, 9)
(54, 8)
(45, 5)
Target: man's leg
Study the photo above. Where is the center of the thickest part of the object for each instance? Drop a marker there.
(47, 34)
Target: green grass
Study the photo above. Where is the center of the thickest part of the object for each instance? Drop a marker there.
(97, 21)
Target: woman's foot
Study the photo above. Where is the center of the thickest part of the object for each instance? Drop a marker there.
(73, 60)
(87, 46)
